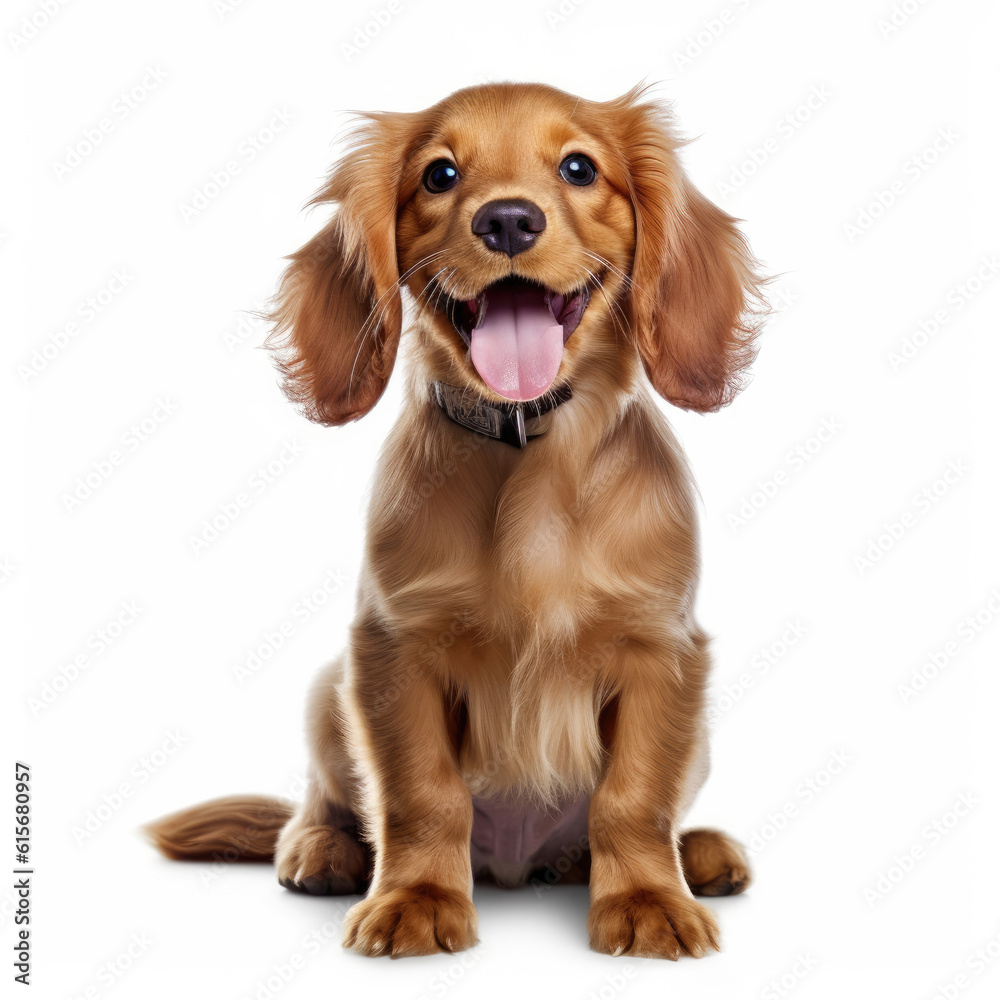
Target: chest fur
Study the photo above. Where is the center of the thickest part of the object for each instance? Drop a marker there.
(524, 588)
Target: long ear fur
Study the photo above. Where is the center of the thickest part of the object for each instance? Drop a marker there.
(338, 312)
(696, 296)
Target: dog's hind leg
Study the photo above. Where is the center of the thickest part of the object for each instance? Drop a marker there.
(714, 864)
(320, 851)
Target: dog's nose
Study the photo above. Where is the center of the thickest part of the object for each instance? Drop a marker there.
(508, 225)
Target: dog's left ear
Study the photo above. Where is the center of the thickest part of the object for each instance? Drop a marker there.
(338, 312)
(696, 296)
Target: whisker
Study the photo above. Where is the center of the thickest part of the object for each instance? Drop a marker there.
(361, 345)
(437, 290)
(627, 278)
(442, 285)
(370, 327)
(396, 284)
(613, 306)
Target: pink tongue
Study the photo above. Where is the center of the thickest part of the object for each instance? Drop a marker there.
(518, 347)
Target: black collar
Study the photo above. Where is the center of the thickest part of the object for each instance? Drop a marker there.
(507, 422)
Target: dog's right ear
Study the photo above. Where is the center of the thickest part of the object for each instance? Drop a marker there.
(696, 292)
(337, 314)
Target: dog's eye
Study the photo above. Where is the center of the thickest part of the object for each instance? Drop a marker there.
(441, 175)
(578, 169)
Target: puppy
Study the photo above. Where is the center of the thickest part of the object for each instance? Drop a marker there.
(523, 693)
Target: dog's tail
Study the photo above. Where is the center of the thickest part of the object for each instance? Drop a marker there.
(240, 827)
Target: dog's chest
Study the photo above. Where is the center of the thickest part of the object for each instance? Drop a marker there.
(547, 563)
(524, 596)
(532, 691)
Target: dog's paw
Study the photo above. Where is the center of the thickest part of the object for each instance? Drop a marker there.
(652, 923)
(417, 921)
(321, 861)
(714, 864)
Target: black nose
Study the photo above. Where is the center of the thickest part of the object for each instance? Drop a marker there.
(508, 225)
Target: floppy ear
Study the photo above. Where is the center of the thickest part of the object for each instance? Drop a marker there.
(696, 296)
(338, 312)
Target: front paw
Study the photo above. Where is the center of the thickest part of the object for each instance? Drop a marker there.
(417, 921)
(652, 923)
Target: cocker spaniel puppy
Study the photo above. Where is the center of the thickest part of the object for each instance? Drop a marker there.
(523, 693)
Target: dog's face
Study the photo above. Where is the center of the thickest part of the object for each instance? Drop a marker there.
(540, 236)
(515, 239)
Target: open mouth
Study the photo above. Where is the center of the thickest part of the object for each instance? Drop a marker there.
(516, 329)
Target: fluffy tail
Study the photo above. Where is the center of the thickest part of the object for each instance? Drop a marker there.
(242, 827)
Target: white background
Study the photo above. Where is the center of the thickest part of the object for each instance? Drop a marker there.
(161, 709)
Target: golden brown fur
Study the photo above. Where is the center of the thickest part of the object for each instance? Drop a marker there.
(243, 826)
(525, 618)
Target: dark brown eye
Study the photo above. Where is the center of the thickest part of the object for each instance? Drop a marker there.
(578, 169)
(441, 175)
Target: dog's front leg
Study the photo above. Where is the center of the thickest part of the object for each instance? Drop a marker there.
(419, 810)
(640, 902)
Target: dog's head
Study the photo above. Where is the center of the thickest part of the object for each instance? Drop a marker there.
(541, 237)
